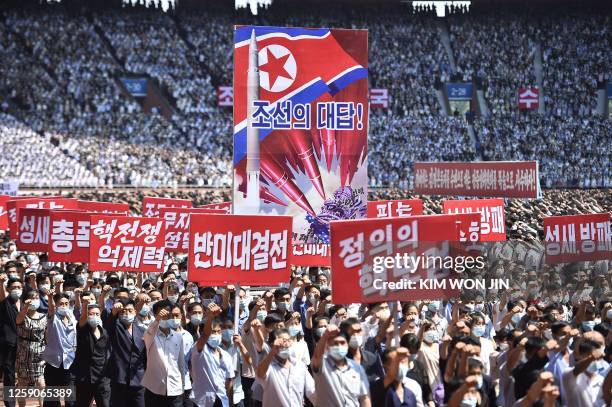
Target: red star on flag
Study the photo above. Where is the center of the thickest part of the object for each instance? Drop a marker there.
(275, 67)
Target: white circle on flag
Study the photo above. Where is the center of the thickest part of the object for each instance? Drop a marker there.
(283, 76)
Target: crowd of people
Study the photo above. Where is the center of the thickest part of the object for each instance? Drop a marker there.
(62, 70)
(162, 339)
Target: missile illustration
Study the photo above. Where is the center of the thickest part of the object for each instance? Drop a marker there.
(253, 155)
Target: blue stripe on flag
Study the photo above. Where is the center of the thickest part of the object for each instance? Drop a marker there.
(244, 33)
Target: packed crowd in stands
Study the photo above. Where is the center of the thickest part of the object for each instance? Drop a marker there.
(61, 79)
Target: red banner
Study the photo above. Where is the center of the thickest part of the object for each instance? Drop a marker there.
(14, 205)
(511, 179)
(311, 254)
(4, 211)
(225, 96)
(379, 98)
(401, 208)
(252, 250)
(529, 98)
(226, 206)
(577, 238)
(126, 243)
(33, 226)
(69, 236)
(358, 245)
(176, 221)
(492, 217)
(152, 204)
(105, 207)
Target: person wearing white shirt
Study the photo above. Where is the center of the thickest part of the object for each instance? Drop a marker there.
(232, 344)
(584, 381)
(164, 378)
(212, 368)
(285, 379)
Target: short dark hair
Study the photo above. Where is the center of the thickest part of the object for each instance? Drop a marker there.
(272, 319)
(280, 293)
(164, 304)
(126, 301)
(410, 341)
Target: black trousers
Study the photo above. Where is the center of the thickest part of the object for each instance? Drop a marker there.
(58, 376)
(123, 395)
(156, 400)
(8, 354)
(247, 382)
(100, 391)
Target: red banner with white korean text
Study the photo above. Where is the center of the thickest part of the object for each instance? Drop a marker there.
(126, 243)
(226, 206)
(152, 204)
(52, 202)
(397, 258)
(69, 236)
(492, 217)
(252, 250)
(508, 179)
(401, 208)
(33, 226)
(4, 211)
(577, 238)
(176, 221)
(105, 207)
(311, 254)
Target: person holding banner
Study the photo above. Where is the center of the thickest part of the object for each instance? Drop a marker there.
(285, 379)
(340, 382)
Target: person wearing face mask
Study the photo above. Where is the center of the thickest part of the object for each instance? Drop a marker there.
(432, 314)
(175, 324)
(392, 390)
(164, 375)
(429, 354)
(60, 346)
(43, 284)
(228, 304)
(232, 344)
(207, 295)
(195, 317)
(212, 367)
(128, 357)
(31, 326)
(339, 381)
(466, 393)
(91, 358)
(257, 314)
(351, 329)
(416, 369)
(10, 305)
(282, 298)
(143, 311)
(285, 380)
(314, 328)
(583, 382)
(487, 347)
(299, 346)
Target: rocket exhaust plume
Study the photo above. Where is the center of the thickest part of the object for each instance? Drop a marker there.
(279, 177)
(253, 156)
(302, 144)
